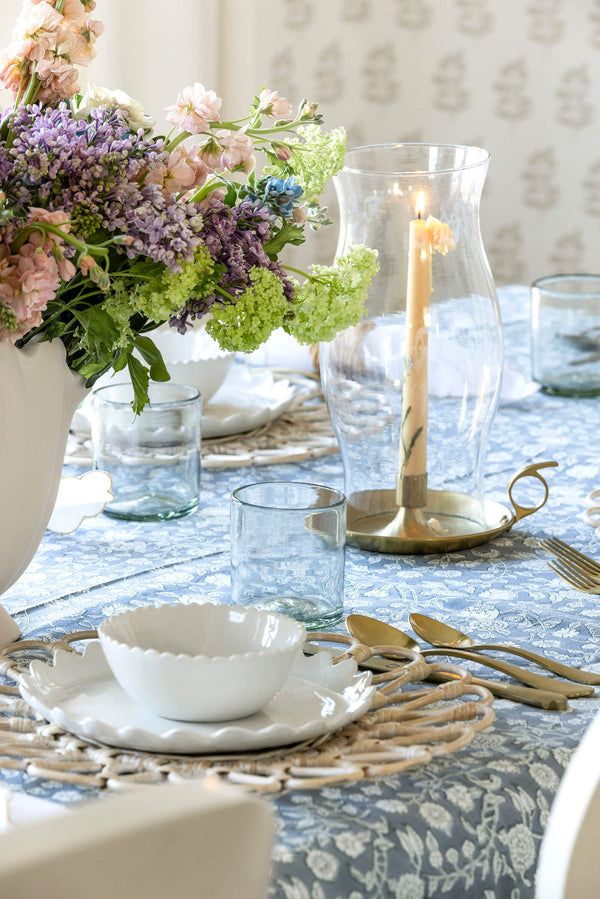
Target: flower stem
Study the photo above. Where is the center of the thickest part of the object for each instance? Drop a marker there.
(298, 271)
(171, 144)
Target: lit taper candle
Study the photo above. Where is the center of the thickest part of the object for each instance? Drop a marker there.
(425, 238)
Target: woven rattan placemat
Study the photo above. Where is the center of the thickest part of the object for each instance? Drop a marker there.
(410, 723)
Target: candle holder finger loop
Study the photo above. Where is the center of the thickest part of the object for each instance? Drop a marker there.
(529, 471)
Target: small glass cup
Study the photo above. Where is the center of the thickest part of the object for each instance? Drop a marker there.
(565, 334)
(153, 458)
(287, 550)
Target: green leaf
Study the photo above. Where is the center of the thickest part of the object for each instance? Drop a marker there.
(288, 233)
(151, 354)
(102, 332)
(230, 195)
(121, 361)
(139, 378)
(92, 371)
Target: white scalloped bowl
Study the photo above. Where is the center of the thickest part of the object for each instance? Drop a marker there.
(194, 358)
(201, 662)
(206, 375)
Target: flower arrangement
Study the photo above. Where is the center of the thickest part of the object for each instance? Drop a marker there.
(108, 231)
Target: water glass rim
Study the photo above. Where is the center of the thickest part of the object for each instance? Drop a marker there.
(547, 281)
(337, 498)
(189, 395)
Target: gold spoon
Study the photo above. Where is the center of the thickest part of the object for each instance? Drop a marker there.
(539, 681)
(376, 633)
(439, 634)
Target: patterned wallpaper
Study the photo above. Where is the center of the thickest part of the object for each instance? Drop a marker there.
(518, 77)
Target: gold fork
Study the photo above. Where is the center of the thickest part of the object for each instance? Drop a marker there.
(575, 568)
(569, 554)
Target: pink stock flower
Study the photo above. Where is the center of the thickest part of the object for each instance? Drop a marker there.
(13, 70)
(58, 79)
(75, 12)
(66, 269)
(28, 284)
(56, 42)
(58, 218)
(271, 104)
(197, 164)
(182, 171)
(30, 277)
(282, 152)
(38, 280)
(92, 30)
(86, 263)
(195, 108)
(229, 151)
(37, 19)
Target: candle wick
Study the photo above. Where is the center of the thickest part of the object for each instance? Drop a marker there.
(419, 214)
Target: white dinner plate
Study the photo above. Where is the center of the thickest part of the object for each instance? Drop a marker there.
(80, 694)
(247, 399)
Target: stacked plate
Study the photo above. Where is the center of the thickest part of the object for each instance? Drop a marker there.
(81, 694)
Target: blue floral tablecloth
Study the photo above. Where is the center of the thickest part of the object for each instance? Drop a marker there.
(469, 824)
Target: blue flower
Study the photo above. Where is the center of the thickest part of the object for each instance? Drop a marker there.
(282, 194)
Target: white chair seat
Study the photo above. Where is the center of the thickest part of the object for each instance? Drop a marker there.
(569, 864)
(197, 839)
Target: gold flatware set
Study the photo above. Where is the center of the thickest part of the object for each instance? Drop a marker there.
(577, 569)
(540, 691)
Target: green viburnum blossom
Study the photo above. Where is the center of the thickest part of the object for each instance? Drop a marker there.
(316, 157)
(118, 303)
(333, 298)
(107, 331)
(242, 326)
(162, 292)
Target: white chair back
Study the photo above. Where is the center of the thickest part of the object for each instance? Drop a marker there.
(569, 863)
(196, 840)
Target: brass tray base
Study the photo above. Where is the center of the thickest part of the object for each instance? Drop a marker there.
(450, 521)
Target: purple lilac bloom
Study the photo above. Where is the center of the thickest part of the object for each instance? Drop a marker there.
(90, 169)
(162, 229)
(5, 165)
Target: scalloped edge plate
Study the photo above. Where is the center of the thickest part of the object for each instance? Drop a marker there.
(80, 694)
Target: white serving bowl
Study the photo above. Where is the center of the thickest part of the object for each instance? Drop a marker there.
(194, 358)
(206, 375)
(201, 662)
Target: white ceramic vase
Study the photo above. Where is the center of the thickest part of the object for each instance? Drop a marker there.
(38, 396)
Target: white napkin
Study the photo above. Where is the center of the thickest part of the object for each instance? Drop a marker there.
(78, 498)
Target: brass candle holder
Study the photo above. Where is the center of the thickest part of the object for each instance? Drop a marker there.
(445, 522)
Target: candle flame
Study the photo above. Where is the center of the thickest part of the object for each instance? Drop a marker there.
(420, 204)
